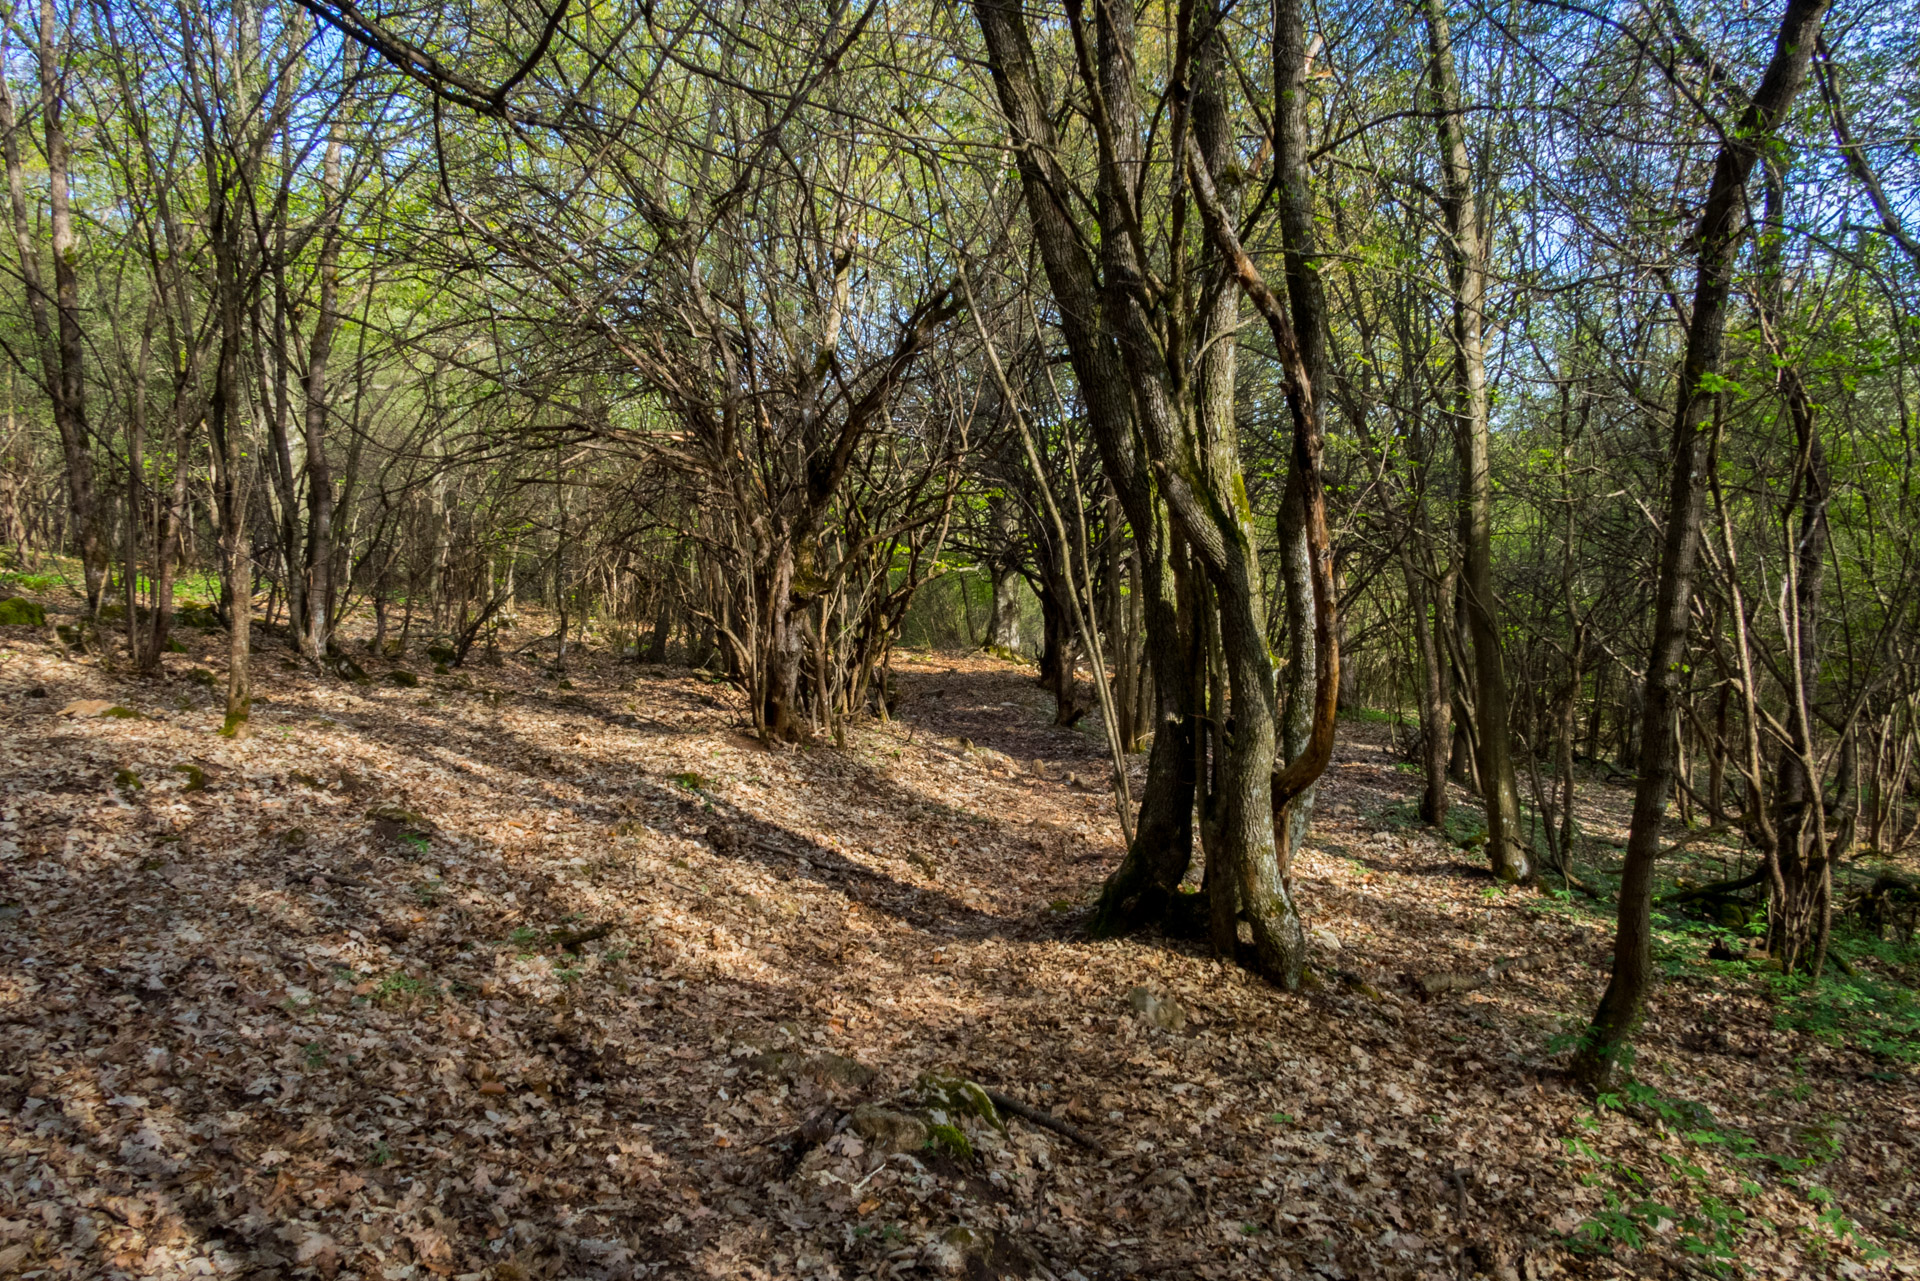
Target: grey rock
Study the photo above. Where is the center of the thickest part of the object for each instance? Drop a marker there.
(1158, 1011)
(889, 1130)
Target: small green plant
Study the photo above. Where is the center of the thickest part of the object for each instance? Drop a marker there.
(693, 782)
(1862, 1010)
(524, 936)
(1704, 1225)
(418, 842)
(398, 988)
(316, 1055)
(381, 1153)
(568, 975)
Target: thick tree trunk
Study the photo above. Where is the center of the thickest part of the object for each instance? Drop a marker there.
(1003, 623)
(1139, 891)
(1718, 236)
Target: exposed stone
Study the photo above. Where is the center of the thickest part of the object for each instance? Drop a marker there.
(86, 707)
(836, 1069)
(959, 1251)
(889, 1130)
(1158, 1011)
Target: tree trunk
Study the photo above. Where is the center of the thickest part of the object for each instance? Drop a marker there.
(1467, 265)
(1003, 625)
(1141, 889)
(59, 336)
(1435, 697)
(1307, 302)
(1717, 238)
(320, 496)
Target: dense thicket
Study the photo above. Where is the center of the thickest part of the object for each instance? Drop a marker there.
(1539, 372)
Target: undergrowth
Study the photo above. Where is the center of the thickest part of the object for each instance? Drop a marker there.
(1686, 1195)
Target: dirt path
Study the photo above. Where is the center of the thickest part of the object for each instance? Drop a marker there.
(301, 1005)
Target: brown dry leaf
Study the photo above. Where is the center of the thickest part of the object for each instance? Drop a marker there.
(193, 1041)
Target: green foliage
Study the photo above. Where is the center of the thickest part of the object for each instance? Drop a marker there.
(398, 989)
(1862, 1011)
(1707, 1227)
(29, 582)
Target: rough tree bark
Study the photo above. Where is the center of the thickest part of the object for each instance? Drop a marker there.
(1141, 890)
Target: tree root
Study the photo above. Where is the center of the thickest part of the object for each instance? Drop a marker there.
(1046, 1121)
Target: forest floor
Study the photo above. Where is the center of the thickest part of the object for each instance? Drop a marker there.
(314, 1003)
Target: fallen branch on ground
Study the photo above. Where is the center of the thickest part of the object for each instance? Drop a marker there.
(1045, 1120)
(1718, 889)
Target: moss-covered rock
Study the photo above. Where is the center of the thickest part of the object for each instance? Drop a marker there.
(201, 676)
(956, 1097)
(441, 652)
(127, 781)
(402, 677)
(196, 777)
(400, 817)
(18, 611)
(950, 1139)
